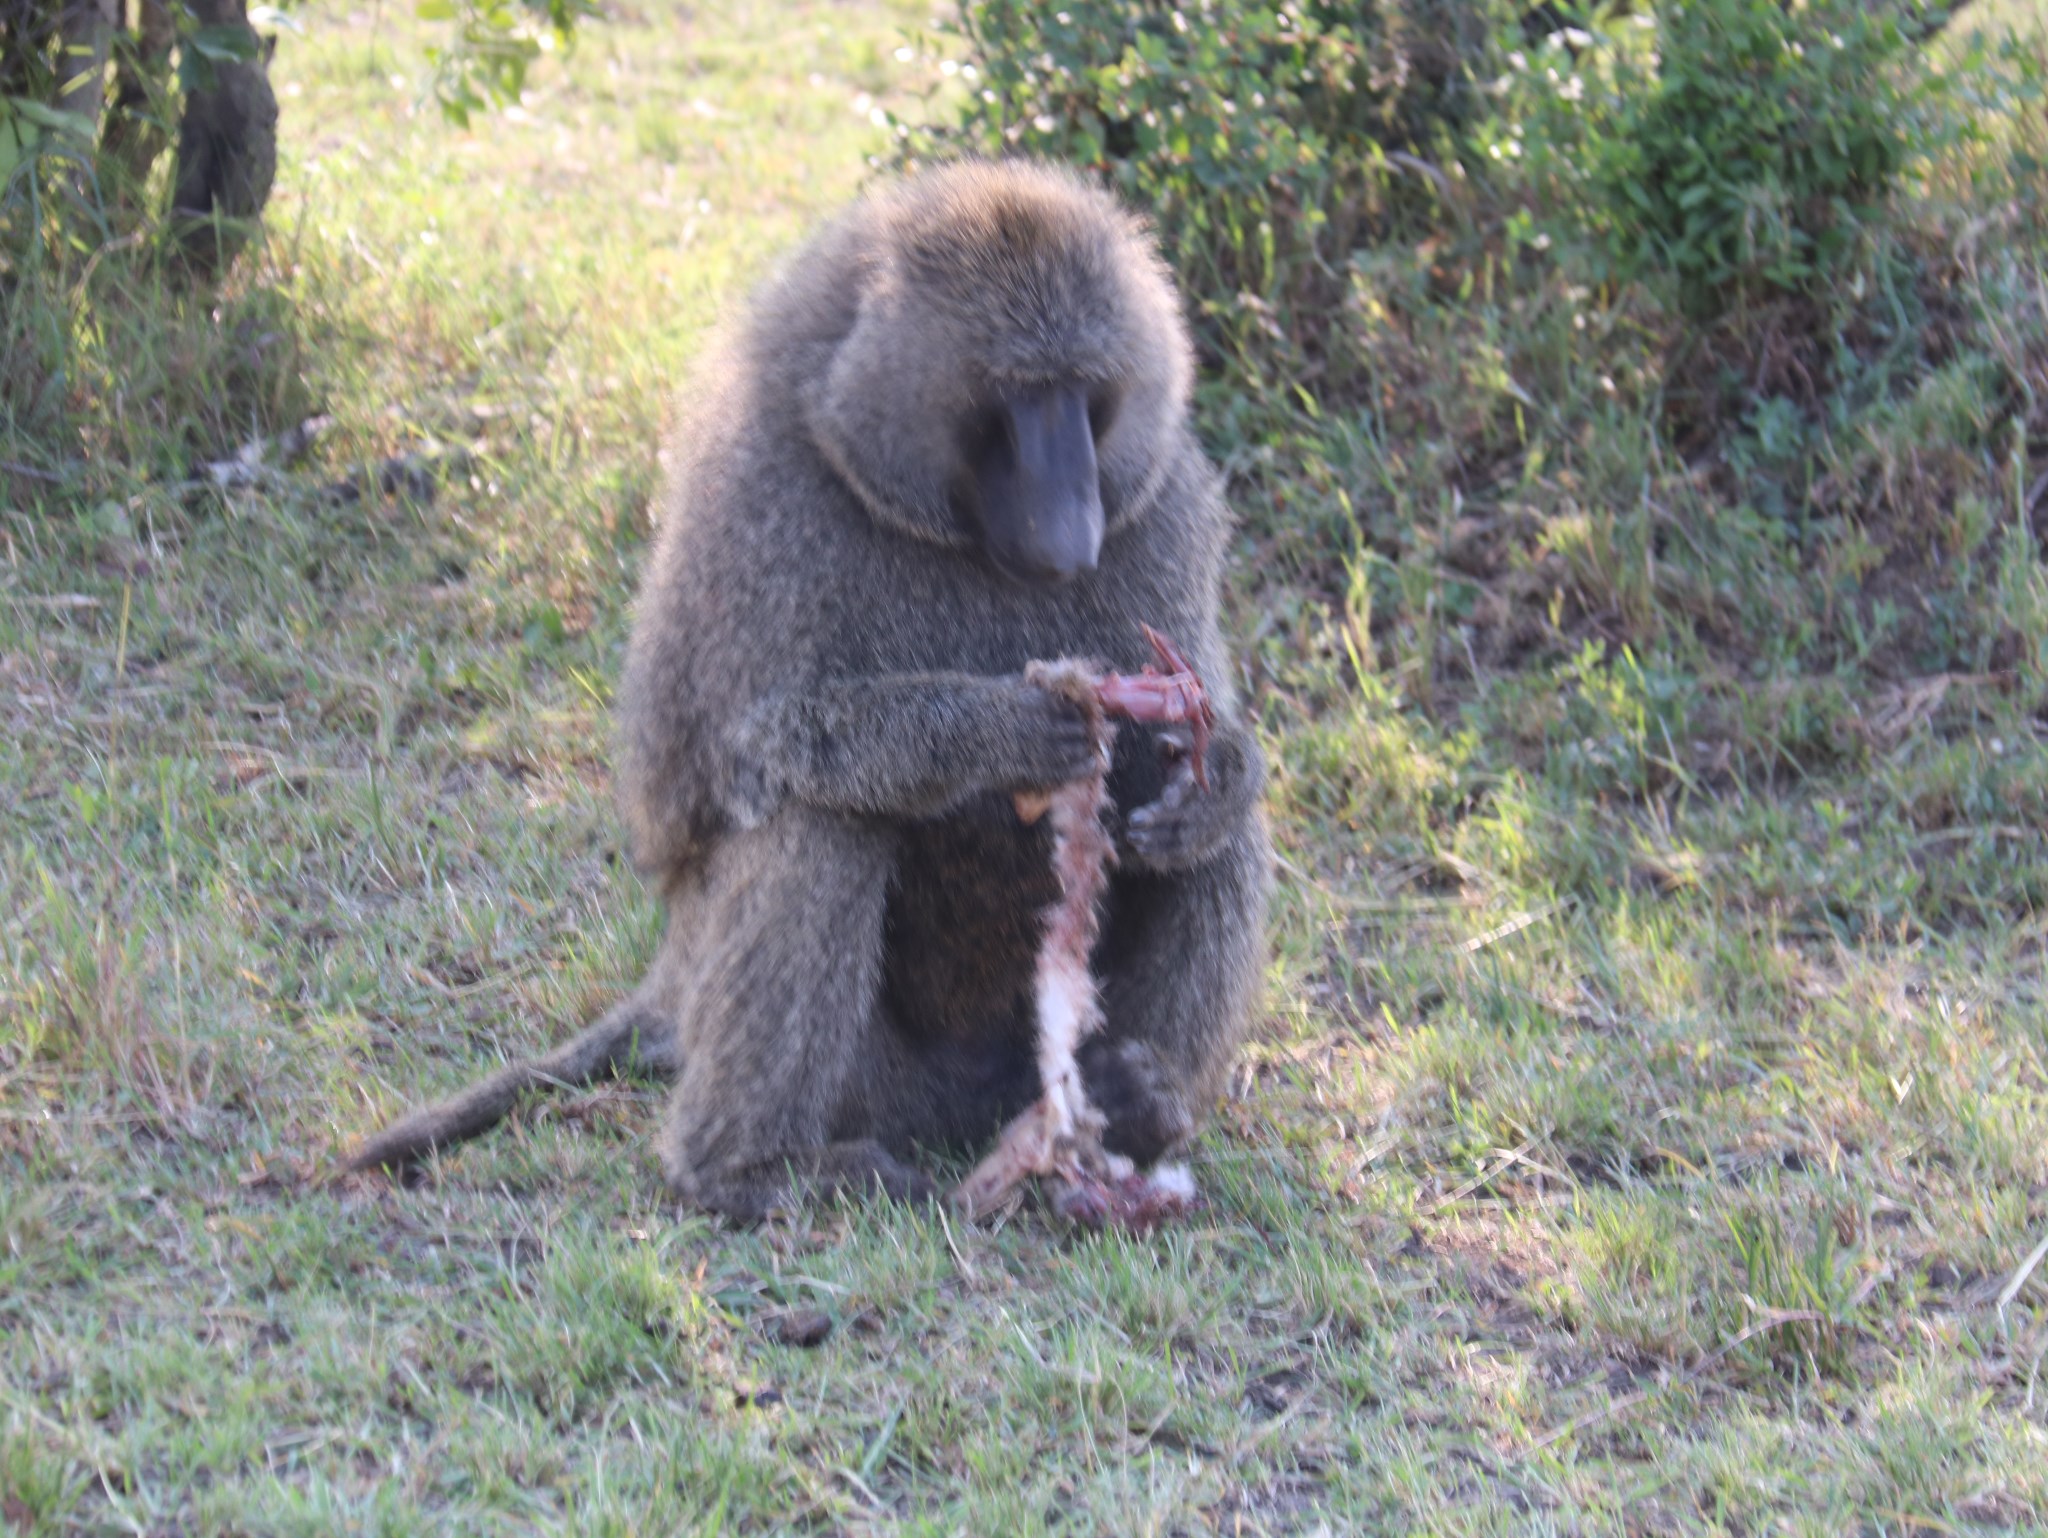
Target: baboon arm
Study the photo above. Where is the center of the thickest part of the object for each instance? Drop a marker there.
(1181, 969)
(905, 745)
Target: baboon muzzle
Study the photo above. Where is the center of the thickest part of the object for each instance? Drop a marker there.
(1040, 496)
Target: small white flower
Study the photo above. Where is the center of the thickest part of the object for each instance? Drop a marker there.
(905, 54)
(1044, 123)
(1518, 61)
(949, 66)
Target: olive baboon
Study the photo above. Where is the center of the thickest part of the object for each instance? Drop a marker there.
(949, 439)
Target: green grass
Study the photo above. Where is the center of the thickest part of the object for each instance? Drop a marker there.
(1649, 1117)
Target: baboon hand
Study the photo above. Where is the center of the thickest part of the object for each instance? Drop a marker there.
(1185, 822)
(1051, 741)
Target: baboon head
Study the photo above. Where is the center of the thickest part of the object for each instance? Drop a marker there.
(1016, 369)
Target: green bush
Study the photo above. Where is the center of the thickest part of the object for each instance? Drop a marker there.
(1267, 140)
(494, 44)
(1738, 147)
(1705, 335)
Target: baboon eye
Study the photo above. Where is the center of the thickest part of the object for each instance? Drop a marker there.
(1103, 406)
(986, 432)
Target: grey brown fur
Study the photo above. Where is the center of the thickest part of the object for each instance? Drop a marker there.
(825, 718)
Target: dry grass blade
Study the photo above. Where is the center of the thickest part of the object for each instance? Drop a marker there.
(2025, 1269)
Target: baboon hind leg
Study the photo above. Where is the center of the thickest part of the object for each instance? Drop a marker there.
(781, 1029)
(635, 1037)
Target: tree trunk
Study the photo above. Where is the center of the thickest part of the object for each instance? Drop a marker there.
(134, 135)
(227, 147)
(87, 28)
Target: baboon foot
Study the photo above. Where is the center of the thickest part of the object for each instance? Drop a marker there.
(747, 1193)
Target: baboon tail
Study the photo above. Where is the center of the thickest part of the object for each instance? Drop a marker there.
(633, 1038)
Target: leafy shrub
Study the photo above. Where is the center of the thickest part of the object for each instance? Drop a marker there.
(1267, 140)
(494, 44)
(1738, 146)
